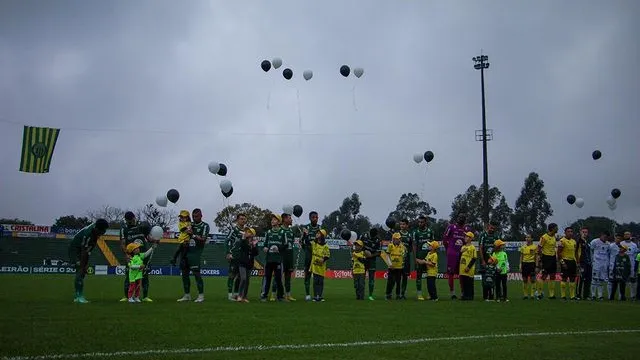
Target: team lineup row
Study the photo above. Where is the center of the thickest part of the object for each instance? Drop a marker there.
(582, 262)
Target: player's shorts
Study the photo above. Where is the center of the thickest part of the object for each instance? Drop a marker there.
(74, 255)
(421, 268)
(570, 269)
(453, 264)
(528, 270)
(233, 268)
(549, 265)
(287, 262)
(600, 272)
(190, 263)
(370, 264)
(406, 267)
(307, 264)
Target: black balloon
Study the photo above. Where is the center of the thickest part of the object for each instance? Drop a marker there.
(616, 193)
(571, 199)
(173, 195)
(265, 65)
(373, 233)
(428, 156)
(345, 234)
(391, 223)
(287, 73)
(227, 194)
(297, 210)
(145, 228)
(344, 70)
(596, 155)
(222, 171)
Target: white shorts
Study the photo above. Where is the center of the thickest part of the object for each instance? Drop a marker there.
(600, 272)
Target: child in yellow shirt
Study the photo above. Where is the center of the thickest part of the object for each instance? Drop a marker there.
(431, 261)
(320, 255)
(358, 258)
(468, 255)
(396, 251)
(184, 227)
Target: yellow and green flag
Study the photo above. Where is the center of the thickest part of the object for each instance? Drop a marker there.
(37, 149)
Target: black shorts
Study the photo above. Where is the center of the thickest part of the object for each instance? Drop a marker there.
(406, 268)
(370, 264)
(528, 270)
(570, 269)
(549, 265)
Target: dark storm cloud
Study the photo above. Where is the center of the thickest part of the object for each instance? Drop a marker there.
(562, 82)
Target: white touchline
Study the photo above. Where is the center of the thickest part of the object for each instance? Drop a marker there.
(309, 346)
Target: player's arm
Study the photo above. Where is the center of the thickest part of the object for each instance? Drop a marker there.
(473, 261)
(325, 254)
(446, 237)
(123, 241)
(559, 251)
(521, 258)
(481, 247)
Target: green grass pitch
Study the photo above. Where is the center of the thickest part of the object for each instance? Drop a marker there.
(39, 318)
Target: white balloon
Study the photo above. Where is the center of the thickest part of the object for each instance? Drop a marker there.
(287, 209)
(611, 201)
(307, 75)
(157, 233)
(358, 72)
(418, 158)
(276, 62)
(214, 167)
(579, 203)
(161, 200)
(354, 236)
(225, 185)
(613, 206)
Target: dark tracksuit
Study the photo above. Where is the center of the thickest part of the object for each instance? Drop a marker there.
(583, 289)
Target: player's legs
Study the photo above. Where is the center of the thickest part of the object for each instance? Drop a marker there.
(498, 286)
(266, 284)
(243, 275)
(233, 273)
(420, 270)
(145, 284)
(317, 287)
(573, 273)
(623, 290)
(633, 287)
(307, 278)
(279, 287)
(614, 288)
(390, 283)
(406, 271)
(126, 283)
(431, 287)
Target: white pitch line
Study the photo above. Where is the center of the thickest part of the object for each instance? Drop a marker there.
(310, 346)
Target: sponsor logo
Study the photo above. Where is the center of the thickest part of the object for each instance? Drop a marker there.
(15, 269)
(101, 270)
(55, 270)
(27, 228)
(210, 272)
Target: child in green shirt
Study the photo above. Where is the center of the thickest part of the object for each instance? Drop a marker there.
(136, 269)
(502, 269)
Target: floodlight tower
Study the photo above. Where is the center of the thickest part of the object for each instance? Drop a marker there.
(481, 63)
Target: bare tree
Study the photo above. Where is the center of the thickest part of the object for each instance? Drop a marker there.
(113, 215)
(157, 216)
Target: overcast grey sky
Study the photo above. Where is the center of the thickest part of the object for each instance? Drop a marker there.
(563, 81)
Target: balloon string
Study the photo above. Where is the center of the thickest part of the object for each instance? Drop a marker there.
(299, 119)
(353, 91)
(273, 81)
(424, 180)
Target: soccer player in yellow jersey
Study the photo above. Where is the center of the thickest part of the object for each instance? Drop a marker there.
(547, 261)
(396, 251)
(528, 256)
(567, 256)
(468, 255)
(358, 258)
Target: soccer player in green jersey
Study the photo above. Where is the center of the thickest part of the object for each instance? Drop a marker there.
(80, 250)
(274, 247)
(191, 262)
(287, 254)
(134, 232)
(422, 237)
(308, 235)
(371, 253)
(486, 242)
(234, 236)
(407, 241)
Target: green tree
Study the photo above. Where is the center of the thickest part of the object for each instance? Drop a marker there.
(72, 222)
(410, 207)
(596, 225)
(471, 204)
(347, 216)
(15, 221)
(257, 218)
(531, 209)
(156, 216)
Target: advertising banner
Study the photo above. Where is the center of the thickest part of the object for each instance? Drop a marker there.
(44, 269)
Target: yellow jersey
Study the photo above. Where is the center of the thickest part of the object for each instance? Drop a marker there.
(183, 226)
(432, 258)
(548, 245)
(529, 253)
(358, 265)
(319, 253)
(568, 249)
(396, 253)
(467, 254)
